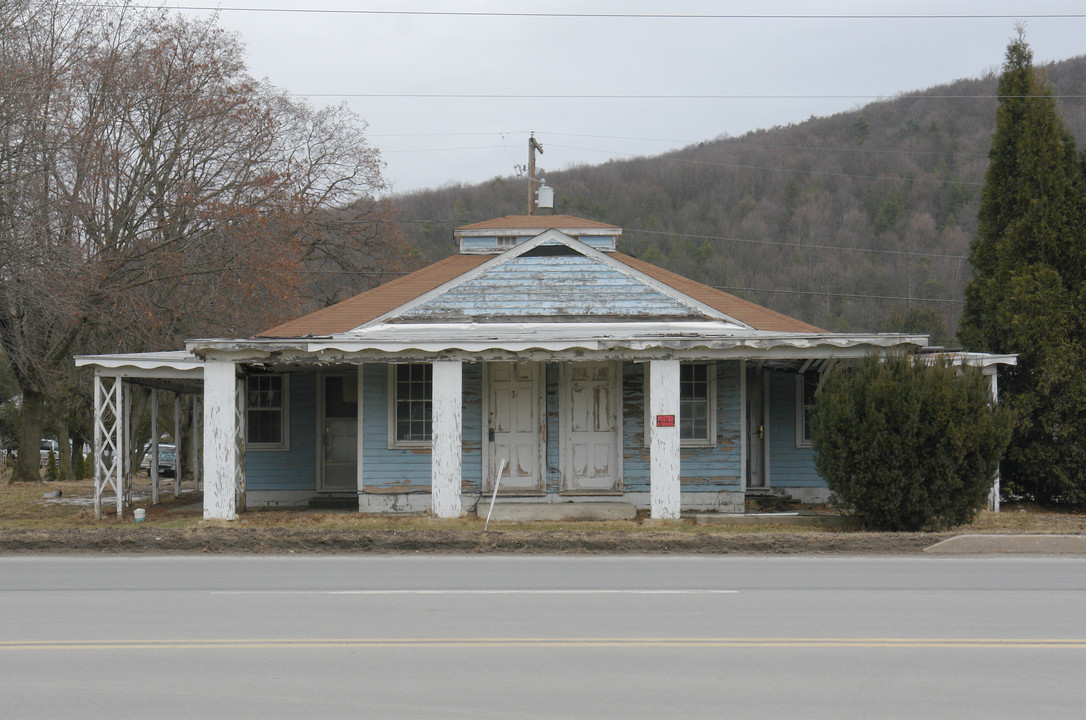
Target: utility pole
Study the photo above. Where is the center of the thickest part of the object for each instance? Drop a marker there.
(533, 145)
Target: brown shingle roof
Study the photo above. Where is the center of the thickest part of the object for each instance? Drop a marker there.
(371, 304)
(537, 222)
(360, 309)
(758, 317)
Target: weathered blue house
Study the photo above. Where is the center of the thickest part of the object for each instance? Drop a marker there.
(583, 374)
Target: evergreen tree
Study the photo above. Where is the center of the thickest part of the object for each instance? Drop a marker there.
(1028, 294)
(908, 444)
(51, 466)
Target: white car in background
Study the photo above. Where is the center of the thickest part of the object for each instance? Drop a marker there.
(167, 460)
(48, 446)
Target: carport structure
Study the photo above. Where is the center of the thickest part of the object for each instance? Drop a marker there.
(116, 378)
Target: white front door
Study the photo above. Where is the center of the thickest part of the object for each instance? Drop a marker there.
(591, 422)
(339, 428)
(515, 426)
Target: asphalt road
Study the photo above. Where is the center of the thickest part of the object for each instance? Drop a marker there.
(541, 637)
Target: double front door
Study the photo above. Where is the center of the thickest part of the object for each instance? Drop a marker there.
(589, 423)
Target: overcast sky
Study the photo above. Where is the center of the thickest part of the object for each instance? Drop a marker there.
(596, 82)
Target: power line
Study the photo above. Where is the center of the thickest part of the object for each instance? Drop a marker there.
(446, 149)
(836, 294)
(666, 96)
(876, 151)
(685, 143)
(780, 243)
(819, 173)
(615, 16)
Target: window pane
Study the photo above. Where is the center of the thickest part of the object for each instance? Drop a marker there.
(694, 401)
(810, 385)
(414, 390)
(264, 398)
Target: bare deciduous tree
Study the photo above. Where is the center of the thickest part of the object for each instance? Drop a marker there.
(150, 189)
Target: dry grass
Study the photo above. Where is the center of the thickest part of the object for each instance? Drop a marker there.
(23, 507)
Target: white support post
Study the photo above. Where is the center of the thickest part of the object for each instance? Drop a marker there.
(127, 434)
(993, 494)
(197, 412)
(359, 439)
(154, 446)
(239, 440)
(108, 440)
(178, 463)
(220, 440)
(665, 496)
(447, 443)
(744, 452)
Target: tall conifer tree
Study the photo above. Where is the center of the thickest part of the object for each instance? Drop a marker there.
(1028, 294)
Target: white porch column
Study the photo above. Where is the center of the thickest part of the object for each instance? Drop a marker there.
(220, 440)
(178, 458)
(993, 494)
(664, 489)
(196, 410)
(447, 434)
(360, 440)
(154, 446)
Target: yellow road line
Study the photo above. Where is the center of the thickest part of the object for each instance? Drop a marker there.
(430, 643)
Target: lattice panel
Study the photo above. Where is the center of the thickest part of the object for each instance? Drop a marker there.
(108, 441)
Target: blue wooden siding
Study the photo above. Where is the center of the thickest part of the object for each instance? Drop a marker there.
(471, 473)
(296, 467)
(701, 469)
(385, 469)
(546, 287)
(487, 243)
(408, 470)
(388, 470)
(789, 466)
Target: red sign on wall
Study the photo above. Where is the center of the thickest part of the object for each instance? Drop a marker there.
(665, 421)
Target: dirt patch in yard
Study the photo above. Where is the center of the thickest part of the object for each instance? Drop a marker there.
(32, 523)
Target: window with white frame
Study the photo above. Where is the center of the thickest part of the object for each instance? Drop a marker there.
(267, 412)
(697, 404)
(806, 386)
(410, 405)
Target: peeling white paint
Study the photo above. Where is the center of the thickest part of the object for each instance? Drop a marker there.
(447, 440)
(360, 439)
(664, 491)
(220, 443)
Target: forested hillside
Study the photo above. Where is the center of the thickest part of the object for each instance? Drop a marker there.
(856, 222)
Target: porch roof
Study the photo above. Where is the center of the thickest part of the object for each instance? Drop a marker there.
(179, 364)
(560, 341)
(176, 370)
